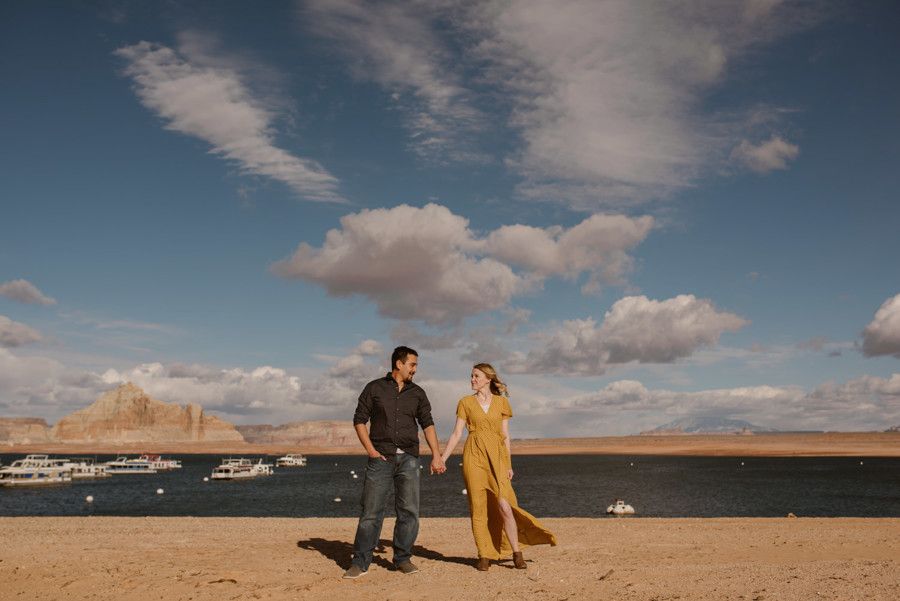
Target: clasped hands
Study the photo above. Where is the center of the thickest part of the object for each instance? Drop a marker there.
(437, 465)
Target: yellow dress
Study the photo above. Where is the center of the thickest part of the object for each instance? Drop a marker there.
(485, 461)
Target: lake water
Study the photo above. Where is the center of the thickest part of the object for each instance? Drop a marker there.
(546, 486)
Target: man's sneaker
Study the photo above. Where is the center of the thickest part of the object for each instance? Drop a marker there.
(407, 567)
(355, 572)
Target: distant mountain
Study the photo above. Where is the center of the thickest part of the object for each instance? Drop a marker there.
(126, 414)
(323, 432)
(706, 425)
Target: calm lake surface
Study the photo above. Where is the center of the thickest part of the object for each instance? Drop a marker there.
(546, 486)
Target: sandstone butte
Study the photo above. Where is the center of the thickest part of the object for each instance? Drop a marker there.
(125, 415)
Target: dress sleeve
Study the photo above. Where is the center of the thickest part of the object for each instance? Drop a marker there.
(506, 410)
(461, 409)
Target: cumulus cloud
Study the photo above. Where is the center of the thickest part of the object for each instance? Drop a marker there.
(634, 329)
(767, 156)
(598, 245)
(13, 333)
(263, 390)
(426, 264)
(882, 336)
(202, 95)
(25, 292)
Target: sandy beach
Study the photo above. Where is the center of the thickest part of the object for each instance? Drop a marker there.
(636, 559)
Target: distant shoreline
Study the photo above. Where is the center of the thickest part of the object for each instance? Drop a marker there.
(837, 444)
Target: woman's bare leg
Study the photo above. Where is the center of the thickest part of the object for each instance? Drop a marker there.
(509, 524)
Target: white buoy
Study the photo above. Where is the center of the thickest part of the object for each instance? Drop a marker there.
(205, 479)
(631, 464)
(742, 464)
(159, 491)
(465, 492)
(355, 476)
(860, 462)
(352, 472)
(89, 498)
(337, 499)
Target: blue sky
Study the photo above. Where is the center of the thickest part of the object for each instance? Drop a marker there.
(636, 211)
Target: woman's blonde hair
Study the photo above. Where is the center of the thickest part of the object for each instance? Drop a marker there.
(497, 387)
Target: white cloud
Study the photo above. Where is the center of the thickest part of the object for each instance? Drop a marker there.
(43, 387)
(264, 390)
(598, 245)
(882, 336)
(767, 156)
(13, 333)
(628, 407)
(426, 264)
(608, 96)
(635, 329)
(395, 45)
(368, 347)
(25, 292)
(202, 96)
(609, 93)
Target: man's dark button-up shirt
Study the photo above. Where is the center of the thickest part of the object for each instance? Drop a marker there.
(393, 413)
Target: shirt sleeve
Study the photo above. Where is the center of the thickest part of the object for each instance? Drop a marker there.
(423, 415)
(506, 410)
(363, 406)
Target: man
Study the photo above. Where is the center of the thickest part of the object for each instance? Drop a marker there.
(393, 404)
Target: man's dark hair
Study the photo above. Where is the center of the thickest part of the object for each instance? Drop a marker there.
(400, 354)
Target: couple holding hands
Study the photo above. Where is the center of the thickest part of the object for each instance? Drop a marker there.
(396, 408)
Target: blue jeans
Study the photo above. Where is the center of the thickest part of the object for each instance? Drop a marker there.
(403, 471)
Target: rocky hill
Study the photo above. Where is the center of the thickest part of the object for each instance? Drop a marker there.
(124, 415)
(128, 414)
(324, 433)
(24, 430)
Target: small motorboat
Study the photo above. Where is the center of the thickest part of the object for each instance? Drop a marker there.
(620, 508)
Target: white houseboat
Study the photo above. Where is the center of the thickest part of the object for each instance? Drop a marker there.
(124, 465)
(291, 460)
(35, 470)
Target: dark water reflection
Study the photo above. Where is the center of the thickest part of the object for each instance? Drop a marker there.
(546, 485)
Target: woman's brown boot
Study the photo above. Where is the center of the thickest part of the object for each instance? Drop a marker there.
(483, 564)
(519, 561)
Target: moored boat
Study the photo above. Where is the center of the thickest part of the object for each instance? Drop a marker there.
(124, 465)
(35, 470)
(620, 508)
(235, 469)
(85, 467)
(291, 460)
(160, 463)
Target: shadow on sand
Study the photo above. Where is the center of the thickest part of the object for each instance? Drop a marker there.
(340, 551)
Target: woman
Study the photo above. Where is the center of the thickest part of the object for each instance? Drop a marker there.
(499, 526)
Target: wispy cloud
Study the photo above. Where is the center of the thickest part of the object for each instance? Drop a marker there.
(766, 156)
(25, 292)
(203, 96)
(396, 45)
(609, 98)
(13, 333)
(611, 93)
